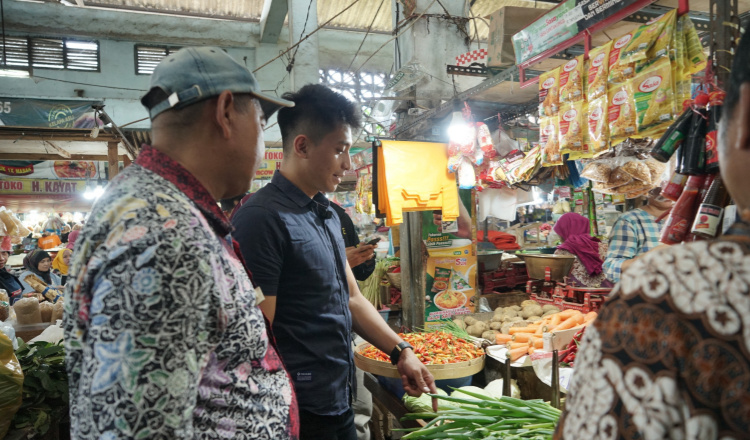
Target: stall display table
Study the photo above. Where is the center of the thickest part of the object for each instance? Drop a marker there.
(384, 405)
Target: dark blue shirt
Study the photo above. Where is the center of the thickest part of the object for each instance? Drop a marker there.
(293, 246)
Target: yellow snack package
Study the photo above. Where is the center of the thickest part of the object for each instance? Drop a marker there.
(571, 128)
(654, 97)
(571, 80)
(549, 142)
(620, 70)
(644, 38)
(621, 111)
(696, 57)
(549, 83)
(596, 140)
(596, 78)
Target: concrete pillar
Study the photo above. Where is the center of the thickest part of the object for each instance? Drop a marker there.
(306, 62)
(434, 41)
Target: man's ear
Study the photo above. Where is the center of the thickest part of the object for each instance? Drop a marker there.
(225, 113)
(742, 119)
(301, 146)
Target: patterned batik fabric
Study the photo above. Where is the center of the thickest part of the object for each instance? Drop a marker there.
(669, 355)
(163, 337)
(579, 276)
(633, 234)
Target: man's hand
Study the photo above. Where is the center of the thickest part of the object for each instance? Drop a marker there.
(357, 255)
(415, 377)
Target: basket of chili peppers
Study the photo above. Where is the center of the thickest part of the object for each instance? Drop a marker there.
(445, 355)
(569, 358)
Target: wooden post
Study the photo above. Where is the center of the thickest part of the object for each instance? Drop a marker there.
(112, 159)
(126, 161)
(412, 271)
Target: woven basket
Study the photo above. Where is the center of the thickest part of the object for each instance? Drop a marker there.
(394, 279)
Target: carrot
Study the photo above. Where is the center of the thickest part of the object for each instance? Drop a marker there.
(555, 320)
(565, 314)
(529, 329)
(569, 323)
(522, 337)
(513, 345)
(590, 316)
(501, 338)
(540, 330)
(531, 350)
(537, 342)
(517, 353)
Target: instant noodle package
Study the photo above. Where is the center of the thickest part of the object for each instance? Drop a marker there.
(643, 39)
(596, 78)
(571, 129)
(549, 142)
(597, 135)
(621, 111)
(654, 98)
(619, 70)
(571, 80)
(549, 83)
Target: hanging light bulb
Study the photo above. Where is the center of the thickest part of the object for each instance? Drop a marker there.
(458, 129)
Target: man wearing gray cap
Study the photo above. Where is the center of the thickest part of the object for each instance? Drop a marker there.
(163, 335)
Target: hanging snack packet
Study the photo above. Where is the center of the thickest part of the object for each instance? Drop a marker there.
(549, 142)
(548, 93)
(620, 70)
(596, 79)
(570, 123)
(654, 97)
(644, 38)
(621, 112)
(695, 55)
(665, 42)
(597, 136)
(571, 80)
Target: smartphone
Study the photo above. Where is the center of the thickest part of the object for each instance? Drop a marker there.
(374, 241)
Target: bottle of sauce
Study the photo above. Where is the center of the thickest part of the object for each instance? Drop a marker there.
(694, 159)
(675, 135)
(681, 218)
(715, 102)
(708, 218)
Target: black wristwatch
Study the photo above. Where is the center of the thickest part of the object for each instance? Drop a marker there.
(396, 353)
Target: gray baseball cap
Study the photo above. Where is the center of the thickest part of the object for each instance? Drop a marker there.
(193, 74)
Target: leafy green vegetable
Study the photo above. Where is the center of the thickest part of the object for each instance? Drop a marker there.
(45, 386)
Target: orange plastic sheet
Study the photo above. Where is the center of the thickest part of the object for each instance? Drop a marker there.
(413, 176)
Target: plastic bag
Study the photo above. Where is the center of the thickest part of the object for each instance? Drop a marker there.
(549, 83)
(571, 129)
(571, 80)
(621, 111)
(598, 171)
(596, 139)
(654, 97)
(596, 78)
(11, 228)
(11, 384)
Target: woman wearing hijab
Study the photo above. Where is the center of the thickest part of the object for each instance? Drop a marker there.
(60, 264)
(38, 264)
(589, 251)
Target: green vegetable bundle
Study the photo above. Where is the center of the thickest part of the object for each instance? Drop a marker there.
(371, 287)
(483, 417)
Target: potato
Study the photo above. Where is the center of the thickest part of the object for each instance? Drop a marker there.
(549, 312)
(500, 309)
(490, 335)
(475, 330)
(531, 311)
(529, 302)
(548, 307)
(506, 327)
(496, 326)
(511, 313)
(481, 324)
(516, 308)
(497, 318)
(515, 319)
(470, 320)
(460, 323)
(534, 318)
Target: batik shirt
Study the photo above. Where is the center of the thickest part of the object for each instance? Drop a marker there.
(669, 355)
(163, 337)
(634, 233)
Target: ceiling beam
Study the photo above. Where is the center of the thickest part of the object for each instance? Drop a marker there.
(272, 20)
(63, 152)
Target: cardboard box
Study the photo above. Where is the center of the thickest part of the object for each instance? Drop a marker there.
(504, 23)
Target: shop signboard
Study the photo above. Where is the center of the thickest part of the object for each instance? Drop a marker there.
(450, 284)
(49, 169)
(563, 23)
(42, 186)
(52, 113)
(271, 163)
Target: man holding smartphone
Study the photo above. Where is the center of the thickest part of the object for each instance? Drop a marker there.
(361, 256)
